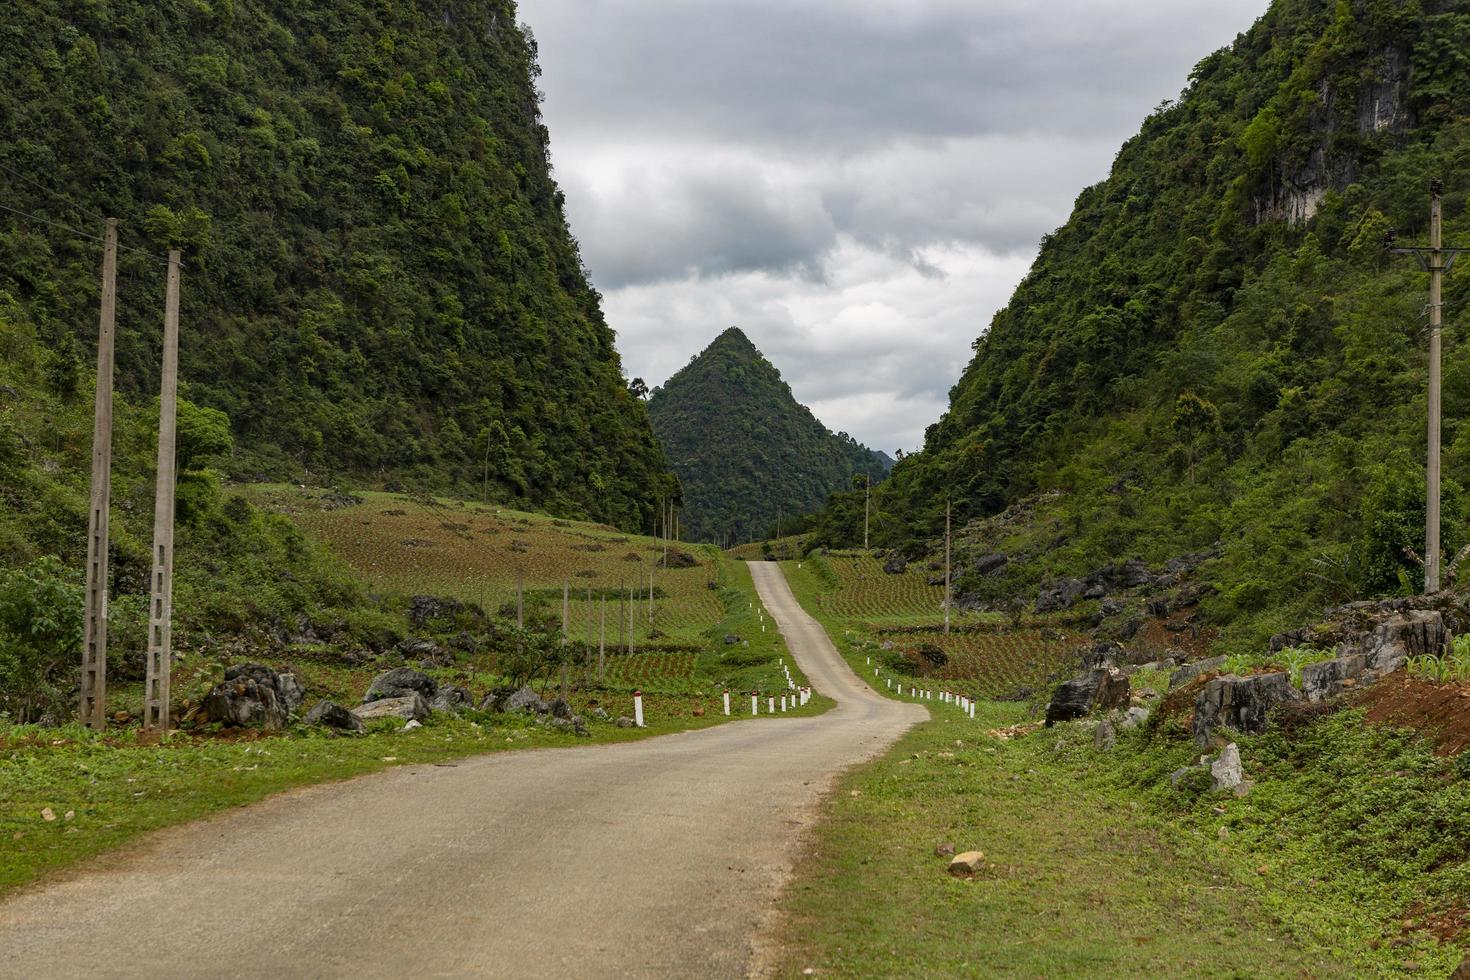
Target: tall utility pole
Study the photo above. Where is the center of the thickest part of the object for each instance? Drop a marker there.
(867, 492)
(520, 598)
(160, 608)
(602, 642)
(94, 642)
(946, 568)
(1437, 260)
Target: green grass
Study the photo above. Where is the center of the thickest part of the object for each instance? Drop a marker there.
(1081, 881)
(1348, 858)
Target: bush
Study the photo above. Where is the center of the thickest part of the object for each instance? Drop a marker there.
(41, 611)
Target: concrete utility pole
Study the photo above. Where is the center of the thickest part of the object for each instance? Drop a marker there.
(946, 568)
(1437, 260)
(520, 598)
(160, 608)
(566, 609)
(867, 493)
(94, 642)
(602, 642)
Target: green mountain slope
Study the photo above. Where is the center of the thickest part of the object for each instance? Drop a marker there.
(1216, 347)
(380, 283)
(745, 451)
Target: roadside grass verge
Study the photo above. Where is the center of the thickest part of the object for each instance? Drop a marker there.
(1349, 857)
(1080, 881)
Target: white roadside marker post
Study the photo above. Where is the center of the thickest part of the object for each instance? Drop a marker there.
(771, 705)
(638, 708)
(753, 704)
(972, 710)
(783, 702)
(727, 702)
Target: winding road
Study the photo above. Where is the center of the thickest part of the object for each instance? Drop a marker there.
(659, 858)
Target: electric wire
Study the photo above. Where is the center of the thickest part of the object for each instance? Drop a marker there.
(82, 234)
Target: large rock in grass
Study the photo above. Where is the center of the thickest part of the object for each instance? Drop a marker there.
(254, 696)
(451, 698)
(1105, 688)
(330, 714)
(525, 701)
(400, 682)
(1241, 704)
(410, 708)
(1324, 680)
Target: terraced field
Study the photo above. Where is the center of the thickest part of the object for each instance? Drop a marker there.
(693, 627)
(886, 620)
(858, 590)
(482, 554)
(993, 664)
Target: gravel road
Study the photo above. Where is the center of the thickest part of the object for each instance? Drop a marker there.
(658, 858)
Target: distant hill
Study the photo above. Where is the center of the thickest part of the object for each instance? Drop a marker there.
(745, 451)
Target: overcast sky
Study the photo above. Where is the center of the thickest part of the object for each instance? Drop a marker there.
(857, 184)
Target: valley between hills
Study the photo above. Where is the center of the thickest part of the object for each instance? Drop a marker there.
(367, 618)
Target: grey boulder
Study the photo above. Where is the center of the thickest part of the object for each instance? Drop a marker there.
(401, 682)
(254, 696)
(1241, 704)
(451, 698)
(413, 707)
(525, 701)
(329, 714)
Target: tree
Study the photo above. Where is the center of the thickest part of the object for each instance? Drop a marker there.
(1195, 422)
(637, 388)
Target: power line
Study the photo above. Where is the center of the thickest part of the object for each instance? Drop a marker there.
(46, 190)
(81, 234)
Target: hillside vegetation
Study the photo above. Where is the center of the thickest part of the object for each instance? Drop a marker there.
(746, 453)
(380, 282)
(1216, 350)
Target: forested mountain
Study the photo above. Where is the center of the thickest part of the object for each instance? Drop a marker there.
(745, 451)
(379, 279)
(1217, 348)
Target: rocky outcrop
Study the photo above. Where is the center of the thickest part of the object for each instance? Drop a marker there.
(1241, 704)
(410, 708)
(426, 608)
(254, 696)
(329, 714)
(1189, 672)
(401, 682)
(1412, 633)
(451, 698)
(525, 701)
(1104, 689)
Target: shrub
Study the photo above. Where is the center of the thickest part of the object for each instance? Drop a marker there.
(41, 610)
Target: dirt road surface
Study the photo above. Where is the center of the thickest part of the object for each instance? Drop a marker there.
(658, 858)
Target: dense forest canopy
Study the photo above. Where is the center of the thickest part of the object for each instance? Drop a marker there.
(1216, 351)
(380, 284)
(746, 452)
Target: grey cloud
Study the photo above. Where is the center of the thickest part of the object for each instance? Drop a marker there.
(859, 184)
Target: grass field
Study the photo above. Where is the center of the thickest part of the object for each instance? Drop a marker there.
(1077, 883)
(1348, 858)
